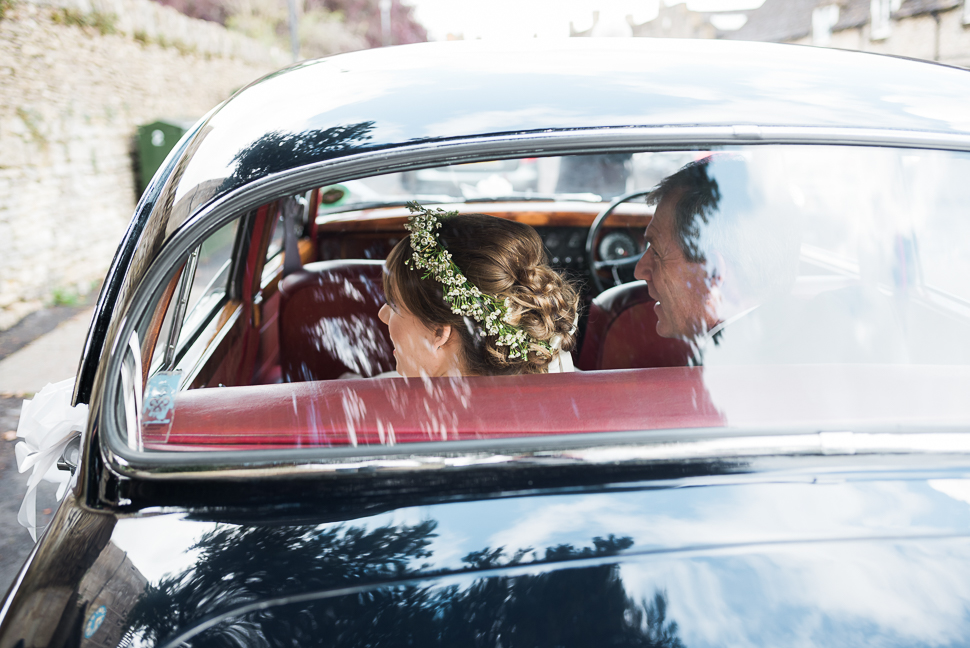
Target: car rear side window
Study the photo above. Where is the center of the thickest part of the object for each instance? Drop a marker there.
(787, 287)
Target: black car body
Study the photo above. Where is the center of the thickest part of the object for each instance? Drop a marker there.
(789, 502)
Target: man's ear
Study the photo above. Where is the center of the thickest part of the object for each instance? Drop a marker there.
(717, 271)
(714, 300)
(442, 335)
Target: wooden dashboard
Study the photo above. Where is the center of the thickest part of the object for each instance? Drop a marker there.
(563, 227)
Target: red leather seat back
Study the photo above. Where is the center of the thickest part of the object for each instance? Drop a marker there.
(391, 411)
(329, 324)
(622, 333)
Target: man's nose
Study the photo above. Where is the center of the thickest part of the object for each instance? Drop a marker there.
(643, 269)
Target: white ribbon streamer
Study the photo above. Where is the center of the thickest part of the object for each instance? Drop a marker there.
(562, 362)
(47, 425)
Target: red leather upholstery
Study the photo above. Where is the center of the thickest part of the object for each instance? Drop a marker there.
(622, 333)
(328, 321)
(400, 410)
(390, 411)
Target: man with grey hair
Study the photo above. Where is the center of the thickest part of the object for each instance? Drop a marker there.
(716, 250)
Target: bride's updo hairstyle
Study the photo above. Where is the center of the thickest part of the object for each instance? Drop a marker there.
(504, 259)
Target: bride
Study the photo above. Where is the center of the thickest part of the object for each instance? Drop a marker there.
(473, 295)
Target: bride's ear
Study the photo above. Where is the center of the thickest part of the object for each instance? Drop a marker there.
(442, 336)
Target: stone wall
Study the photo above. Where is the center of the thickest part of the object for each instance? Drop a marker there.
(77, 77)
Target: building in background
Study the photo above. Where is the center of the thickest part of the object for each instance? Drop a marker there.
(935, 30)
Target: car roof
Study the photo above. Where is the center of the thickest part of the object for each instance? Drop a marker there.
(456, 89)
(392, 97)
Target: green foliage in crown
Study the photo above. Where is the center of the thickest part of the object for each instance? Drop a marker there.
(462, 296)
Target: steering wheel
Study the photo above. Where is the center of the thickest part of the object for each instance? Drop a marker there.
(613, 265)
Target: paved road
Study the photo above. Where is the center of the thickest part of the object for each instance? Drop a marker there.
(52, 357)
(15, 542)
(44, 348)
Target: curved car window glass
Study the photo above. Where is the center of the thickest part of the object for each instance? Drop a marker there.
(945, 263)
(206, 292)
(275, 246)
(274, 251)
(787, 288)
(211, 276)
(578, 177)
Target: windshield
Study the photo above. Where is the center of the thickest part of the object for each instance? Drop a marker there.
(590, 178)
(775, 288)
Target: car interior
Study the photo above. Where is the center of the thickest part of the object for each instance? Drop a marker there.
(272, 331)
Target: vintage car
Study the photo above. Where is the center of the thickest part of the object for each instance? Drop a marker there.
(801, 476)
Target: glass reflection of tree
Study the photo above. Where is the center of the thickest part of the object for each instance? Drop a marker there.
(278, 151)
(570, 606)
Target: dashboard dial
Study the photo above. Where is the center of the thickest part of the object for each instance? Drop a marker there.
(617, 245)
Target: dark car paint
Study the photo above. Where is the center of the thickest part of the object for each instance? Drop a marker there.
(760, 596)
(825, 551)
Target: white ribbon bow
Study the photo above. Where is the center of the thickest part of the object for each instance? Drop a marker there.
(48, 424)
(562, 361)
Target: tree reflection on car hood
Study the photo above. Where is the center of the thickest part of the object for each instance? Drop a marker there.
(753, 563)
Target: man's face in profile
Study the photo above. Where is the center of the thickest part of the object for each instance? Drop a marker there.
(679, 286)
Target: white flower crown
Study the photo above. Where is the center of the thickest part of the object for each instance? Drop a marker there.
(464, 297)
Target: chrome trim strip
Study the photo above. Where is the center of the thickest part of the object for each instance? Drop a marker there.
(219, 212)
(185, 285)
(587, 449)
(600, 140)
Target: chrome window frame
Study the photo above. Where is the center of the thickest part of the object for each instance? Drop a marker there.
(656, 444)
